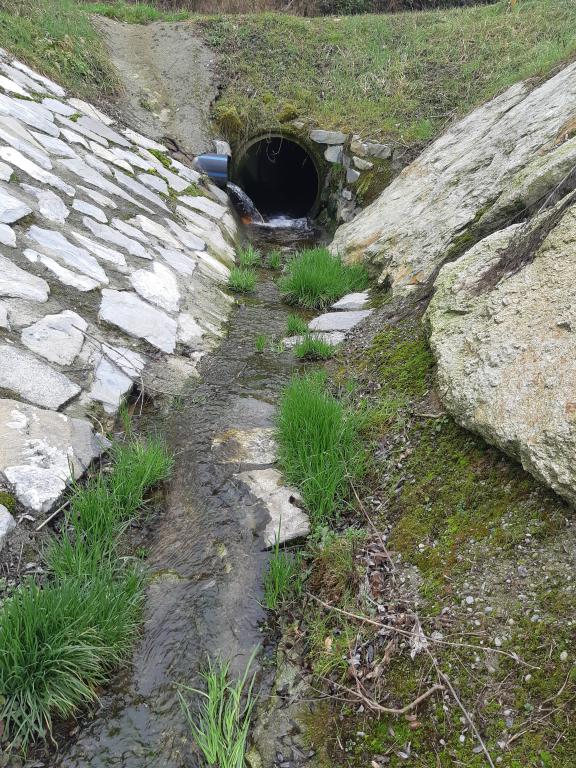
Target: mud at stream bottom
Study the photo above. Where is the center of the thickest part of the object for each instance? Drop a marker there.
(206, 557)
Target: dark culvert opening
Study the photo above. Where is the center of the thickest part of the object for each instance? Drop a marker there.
(279, 176)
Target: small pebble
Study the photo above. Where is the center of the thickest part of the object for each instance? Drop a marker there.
(564, 656)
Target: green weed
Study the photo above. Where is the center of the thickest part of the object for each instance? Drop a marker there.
(315, 279)
(220, 730)
(296, 326)
(274, 260)
(59, 642)
(313, 348)
(56, 37)
(139, 13)
(320, 448)
(249, 257)
(242, 280)
(282, 578)
(261, 342)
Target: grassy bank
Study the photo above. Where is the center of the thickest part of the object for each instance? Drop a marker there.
(62, 638)
(399, 76)
(446, 534)
(56, 38)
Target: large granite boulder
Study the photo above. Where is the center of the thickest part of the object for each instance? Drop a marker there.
(502, 326)
(503, 157)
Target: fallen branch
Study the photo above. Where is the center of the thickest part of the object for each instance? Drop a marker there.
(375, 706)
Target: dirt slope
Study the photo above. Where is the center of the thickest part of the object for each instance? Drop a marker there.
(167, 81)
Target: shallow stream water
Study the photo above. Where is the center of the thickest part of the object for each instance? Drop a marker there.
(205, 559)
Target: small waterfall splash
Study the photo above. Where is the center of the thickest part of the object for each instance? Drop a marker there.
(243, 205)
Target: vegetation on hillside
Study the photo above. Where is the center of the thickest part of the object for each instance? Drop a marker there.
(401, 76)
(396, 76)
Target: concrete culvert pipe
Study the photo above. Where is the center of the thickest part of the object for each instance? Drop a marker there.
(280, 176)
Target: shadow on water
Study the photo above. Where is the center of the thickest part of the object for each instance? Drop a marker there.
(205, 558)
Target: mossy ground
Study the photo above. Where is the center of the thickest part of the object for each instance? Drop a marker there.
(488, 552)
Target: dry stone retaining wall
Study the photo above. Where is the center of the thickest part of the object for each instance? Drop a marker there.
(112, 260)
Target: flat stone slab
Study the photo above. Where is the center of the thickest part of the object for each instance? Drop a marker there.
(16, 283)
(328, 137)
(204, 205)
(52, 243)
(33, 380)
(158, 286)
(41, 451)
(338, 321)
(114, 376)
(114, 236)
(64, 275)
(129, 312)
(331, 337)
(287, 520)
(57, 338)
(50, 205)
(12, 209)
(352, 301)
(14, 157)
(7, 235)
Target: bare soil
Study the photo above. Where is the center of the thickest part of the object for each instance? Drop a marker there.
(167, 81)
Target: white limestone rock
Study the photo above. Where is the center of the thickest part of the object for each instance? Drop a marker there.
(64, 275)
(130, 231)
(96, 126)
(129, 312)
(188, 329)
(43, 451)
(157, 230)
(5, 172)
(188, 239)
(328, 137)
(110, 255)
(154, 182)
(110, 235)
(57, 338)
(288, 521)
(7, 525)
(50, 85)
(15, 135)
(182, 264)
(90, 110)
(54, 244)
(114, 376)
(11, 209)
(140, 189)
(90, 210)
(18, 284)
(33, 380)
(204, 205)
(338, 321)
(50, 205)
(99, 198)
(4, 318)
(54, 105)
(333, 338)
(30, 113)
(158, 286)
(142, 141)
(14, 157)
(424, 214)
(78, 129)
(334, 153)
(7, 236)
(506, 348)
(352, 301)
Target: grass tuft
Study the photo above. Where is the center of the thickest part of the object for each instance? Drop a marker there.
(274, 260)
(242, 280)
(59, 642)
(296, 326)
(313, 348)
(320, 448)
(315, 279)
(282, 578)
(221, 728)
(139, 13)
(249, 257)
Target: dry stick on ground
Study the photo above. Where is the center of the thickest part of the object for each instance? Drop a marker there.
(441, 675)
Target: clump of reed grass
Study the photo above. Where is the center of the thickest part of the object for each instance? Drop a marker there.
(315, 279)
(313, 348)
(242, 280)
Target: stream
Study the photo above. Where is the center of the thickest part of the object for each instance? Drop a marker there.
(205, 558)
